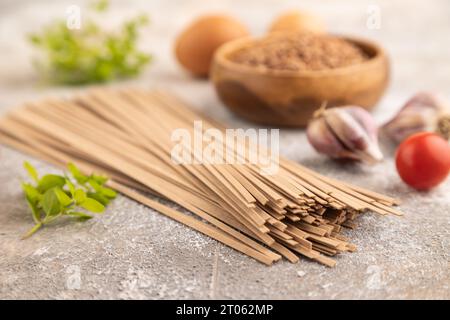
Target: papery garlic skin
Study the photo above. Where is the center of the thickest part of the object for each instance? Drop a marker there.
(322, 139)
(423, 112)
(345, 132)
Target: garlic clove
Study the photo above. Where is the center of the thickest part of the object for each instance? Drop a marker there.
(423, 112)
(405, 125)
(373, 152)
(365, 120)
(323, 140)
(357, 134)
(345, 132)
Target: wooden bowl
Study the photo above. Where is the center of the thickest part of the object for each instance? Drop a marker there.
(289, 98)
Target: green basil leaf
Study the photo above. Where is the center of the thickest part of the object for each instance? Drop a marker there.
(73, 169)
(50, 181)
(63, 198)
(50, 197)
(94, 185)
(101, 180)
(31, 193)
(100, 5)
(31, 171)
(50, 203)
(99, 197)
(92, 205)
(80, 215)
(34, 211)
(70, 186)
(85, 57)
(107, 192)
(76, 173)
(79, 196)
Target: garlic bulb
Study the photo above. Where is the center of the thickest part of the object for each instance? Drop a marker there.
(345, 132)
(423, 112)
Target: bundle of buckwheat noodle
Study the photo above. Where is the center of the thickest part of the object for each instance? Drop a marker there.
(126, 135)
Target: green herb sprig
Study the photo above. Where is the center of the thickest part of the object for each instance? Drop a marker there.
(90, 54)
(52, 196)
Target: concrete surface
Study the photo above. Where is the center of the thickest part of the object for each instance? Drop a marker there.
(134, 252)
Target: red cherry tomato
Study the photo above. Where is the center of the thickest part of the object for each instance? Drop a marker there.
(423, 160)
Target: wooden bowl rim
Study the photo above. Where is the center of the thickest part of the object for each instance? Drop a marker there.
(220, 57)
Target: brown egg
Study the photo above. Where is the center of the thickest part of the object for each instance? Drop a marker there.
(195, 46)
(298, 21)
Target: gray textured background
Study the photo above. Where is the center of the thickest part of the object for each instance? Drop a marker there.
(134, 252)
